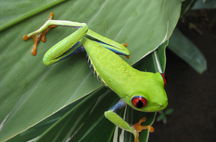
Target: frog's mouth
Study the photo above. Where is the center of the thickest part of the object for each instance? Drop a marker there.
(154, 107)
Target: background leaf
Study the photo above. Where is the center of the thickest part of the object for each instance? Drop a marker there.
(205, 4)
(186, 50)
(31, 92)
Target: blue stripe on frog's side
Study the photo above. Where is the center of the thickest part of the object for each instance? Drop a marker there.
(104, 45)
(107, 47)
(117, 52)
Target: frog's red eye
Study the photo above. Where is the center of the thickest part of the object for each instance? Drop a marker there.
(164, 78)
(139, 101)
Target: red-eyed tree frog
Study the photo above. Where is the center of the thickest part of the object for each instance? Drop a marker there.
(143, 91)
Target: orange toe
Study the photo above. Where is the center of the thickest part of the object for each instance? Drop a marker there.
(139, 127)
(34, 51)
(25, 37)
(125, 44)
(51, 16)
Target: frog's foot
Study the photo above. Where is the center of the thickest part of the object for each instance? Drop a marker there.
(125, 44)
(139, 128)
(127, 56)
(41, 36)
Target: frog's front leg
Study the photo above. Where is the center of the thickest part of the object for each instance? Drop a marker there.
(63, 48)
(112, 116)
(40, 34)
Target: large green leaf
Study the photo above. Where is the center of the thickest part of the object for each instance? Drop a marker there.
(37, 130)
(31, 92)
(83, 125)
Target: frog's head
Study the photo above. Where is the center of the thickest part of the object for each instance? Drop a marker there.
(151, 96)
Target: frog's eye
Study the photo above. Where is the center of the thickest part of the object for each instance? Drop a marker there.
(139, 101)
(164, 78)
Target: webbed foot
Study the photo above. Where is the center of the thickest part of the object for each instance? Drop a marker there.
(139, 128)
(125, 44)
(41, 36)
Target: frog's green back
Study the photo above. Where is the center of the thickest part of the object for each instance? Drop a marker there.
(124, 80)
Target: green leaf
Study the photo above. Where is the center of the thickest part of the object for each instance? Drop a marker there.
(34, 132)
(205, 4)
(13, 11)
(31, 92)
(186, 50)
(83, 122)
